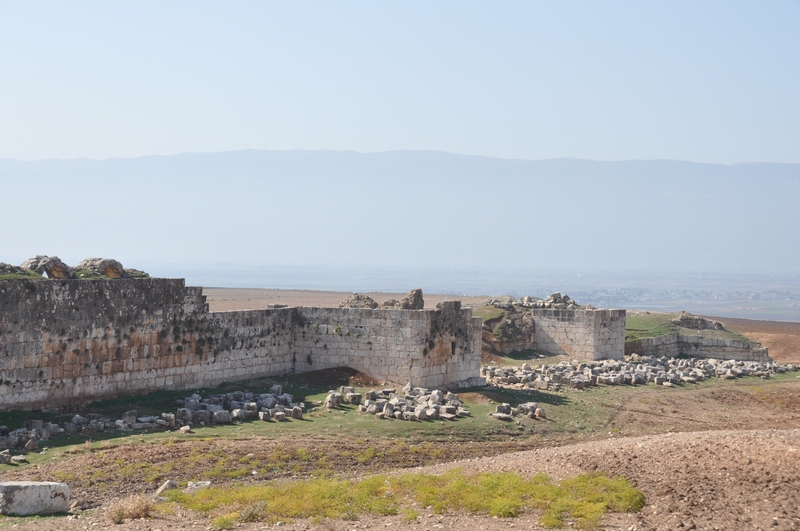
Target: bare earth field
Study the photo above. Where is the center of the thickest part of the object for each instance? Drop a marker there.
(721, 455)
(227, 299)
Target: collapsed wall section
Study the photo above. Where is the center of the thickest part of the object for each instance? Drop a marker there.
(66, 342)
(581, 334)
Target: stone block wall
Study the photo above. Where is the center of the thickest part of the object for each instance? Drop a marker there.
(673, 345)
(582, 334)
(66, 342)
(429, 348)
(721, 349)
(666, 345)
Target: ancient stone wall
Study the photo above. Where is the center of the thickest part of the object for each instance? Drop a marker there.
(721, 349)
(582, 334)
(429, 348)
(673, 345)
(65, 342)
(666, 345)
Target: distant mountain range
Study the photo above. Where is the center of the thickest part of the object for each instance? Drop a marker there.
(403, 209)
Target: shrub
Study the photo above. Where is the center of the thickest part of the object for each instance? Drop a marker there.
(132, 507)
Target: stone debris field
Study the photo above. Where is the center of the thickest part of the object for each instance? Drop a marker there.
(638, 370)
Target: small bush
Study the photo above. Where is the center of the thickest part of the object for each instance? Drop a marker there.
(132, 507)
(223, 522)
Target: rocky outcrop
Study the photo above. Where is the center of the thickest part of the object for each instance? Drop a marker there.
(413, 301)
(52, 266)
(103, 266)
(695, 322)
(357, 300)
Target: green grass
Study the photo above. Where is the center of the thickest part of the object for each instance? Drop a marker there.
(584, 498)
(488, 313)
(28, 275)
(655, 324)
(649, 325)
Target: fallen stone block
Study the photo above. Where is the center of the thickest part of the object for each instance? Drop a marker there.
(28, 498)
(167, 485)
(222, 417)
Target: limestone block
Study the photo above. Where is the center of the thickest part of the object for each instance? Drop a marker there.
(27, 498)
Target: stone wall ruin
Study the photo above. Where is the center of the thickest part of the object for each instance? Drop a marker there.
(66, 342)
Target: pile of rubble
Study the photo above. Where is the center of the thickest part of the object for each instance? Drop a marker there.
(528, 409)
(695, 322)
(412, 301)
(637, 370)
(554, 301)
(414, 403)
(195, 411)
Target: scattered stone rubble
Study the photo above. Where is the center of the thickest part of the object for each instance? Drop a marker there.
(412, 403)
(412, 301)
(638, 370)
(10, 269)
(357, 300)
(194, 411)
(695, 322)
(507, 413)
(553, 301)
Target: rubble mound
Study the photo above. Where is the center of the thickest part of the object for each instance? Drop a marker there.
(412, 403)
(52, 266)
(357, 300)
(553, 301)
(637, 370)
(238, 406)
(391, 304)
(8, 269)
(413, 301)
(557, 301)
(695, 322)
(103, 266)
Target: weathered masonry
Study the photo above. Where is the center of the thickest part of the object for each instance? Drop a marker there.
(582, 334)
(673, 345)
(64, 342)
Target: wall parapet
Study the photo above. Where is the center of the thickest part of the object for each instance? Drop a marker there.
(65, 342)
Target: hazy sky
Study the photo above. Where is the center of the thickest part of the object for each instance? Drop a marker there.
(702, 81)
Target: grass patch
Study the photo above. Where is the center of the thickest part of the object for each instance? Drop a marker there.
(649, 325)
(488, 313)
(584, 499)
(653, 324)
(28, 275)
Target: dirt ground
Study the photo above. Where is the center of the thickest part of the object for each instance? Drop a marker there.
(228, 299)
(725, 458)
